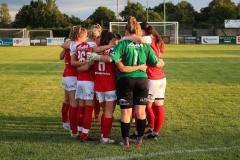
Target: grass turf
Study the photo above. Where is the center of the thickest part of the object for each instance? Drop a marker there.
(202, 107)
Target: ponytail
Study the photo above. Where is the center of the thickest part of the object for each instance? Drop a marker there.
(150, 30)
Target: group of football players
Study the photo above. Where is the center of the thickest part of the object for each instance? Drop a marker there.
(103, 69)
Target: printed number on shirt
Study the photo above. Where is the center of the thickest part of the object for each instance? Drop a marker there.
(135, 58)
(81, 56)
(101, 66)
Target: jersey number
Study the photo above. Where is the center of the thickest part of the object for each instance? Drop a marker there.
(81, 56)
(135, 58)
(101, 66)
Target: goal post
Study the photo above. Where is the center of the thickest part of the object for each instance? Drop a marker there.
(39, 33)
(13, 33)
(165, 29)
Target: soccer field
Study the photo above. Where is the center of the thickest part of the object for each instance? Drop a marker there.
(202, 108)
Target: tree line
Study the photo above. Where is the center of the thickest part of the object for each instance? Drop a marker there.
(45, 14)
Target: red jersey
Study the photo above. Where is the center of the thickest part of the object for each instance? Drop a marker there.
(155, 73)
(69, 70)
(81, 50)
(105, 75)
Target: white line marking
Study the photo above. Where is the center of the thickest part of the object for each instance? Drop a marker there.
(170, 152)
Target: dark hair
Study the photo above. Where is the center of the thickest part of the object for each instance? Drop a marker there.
(150, 30)
(106, 37)
(133, 26)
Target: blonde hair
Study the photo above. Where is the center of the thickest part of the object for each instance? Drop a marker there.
(90, 32)
(132, 26)
(76, 32)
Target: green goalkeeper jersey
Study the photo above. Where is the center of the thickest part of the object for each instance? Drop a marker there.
(132, 54)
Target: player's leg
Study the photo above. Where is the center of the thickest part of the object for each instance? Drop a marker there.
(109, 107)
(140, 94)
(159, 109)
(153, 86)
(125, 100)
(65, 104)
(73, 107)
(64, 111)
(88, 96)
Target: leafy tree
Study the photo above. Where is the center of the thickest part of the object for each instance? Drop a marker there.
(134, 9)
(171, 11)
(73, 20)
(154, 16)
(238, 11)
(5, 18)
(102, 15)
(185, 14)
(217, 11)
(39, 14)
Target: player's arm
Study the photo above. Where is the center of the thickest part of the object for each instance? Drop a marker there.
(61, 56)
(66, 45)
(153, 60)
(84, 67)
(75, 62)
(102, 48)
(139, 39)
(124, 68)
(101, 58)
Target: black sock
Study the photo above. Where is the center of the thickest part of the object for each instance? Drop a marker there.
(141, 124)
(125, 127)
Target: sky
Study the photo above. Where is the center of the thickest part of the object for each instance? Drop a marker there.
(84, 8)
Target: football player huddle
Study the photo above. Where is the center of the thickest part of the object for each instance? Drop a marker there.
(104, 69)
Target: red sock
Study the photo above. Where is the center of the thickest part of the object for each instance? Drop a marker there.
(87, 118)
(102, 122)
(73, 119)
(65, 109)
(159, 118)
(107, 127)
(80, 116)
(150, 117)
(96, 109)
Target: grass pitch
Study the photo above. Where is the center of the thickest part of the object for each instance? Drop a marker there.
(202, 107)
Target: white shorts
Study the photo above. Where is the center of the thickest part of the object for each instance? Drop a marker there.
(85, 90)
(69, 83)
(156, 89)
(106, 96)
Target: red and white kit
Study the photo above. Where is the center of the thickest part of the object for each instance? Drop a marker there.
(156, 76)
(85, 79)
(69, 80)
(105, 79)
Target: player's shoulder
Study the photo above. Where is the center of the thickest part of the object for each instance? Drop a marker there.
(92, 44)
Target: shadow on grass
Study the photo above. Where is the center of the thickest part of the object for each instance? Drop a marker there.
(36, 129)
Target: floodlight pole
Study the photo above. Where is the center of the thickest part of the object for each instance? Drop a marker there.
(164, 16)
(147, 10)
(118, 14)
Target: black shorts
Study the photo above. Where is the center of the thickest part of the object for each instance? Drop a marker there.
(132, 91)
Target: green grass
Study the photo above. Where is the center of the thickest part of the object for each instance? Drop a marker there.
(202, 107)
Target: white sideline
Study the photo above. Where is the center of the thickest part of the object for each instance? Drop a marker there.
(170, 152)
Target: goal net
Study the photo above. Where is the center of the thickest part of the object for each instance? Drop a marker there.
(39, 34)
(13, 33)
(168, 30)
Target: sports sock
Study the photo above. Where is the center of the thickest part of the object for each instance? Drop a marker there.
(87, 119)
(141, 124)
(159, 118)
(80, 117)
(107, 127)
(125, 127)
(64, 111)
(73, 119)
(150, 117)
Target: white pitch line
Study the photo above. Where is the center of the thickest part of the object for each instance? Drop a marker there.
(170, 152)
